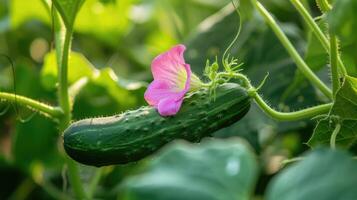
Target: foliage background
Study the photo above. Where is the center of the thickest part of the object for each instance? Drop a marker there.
(113, 45)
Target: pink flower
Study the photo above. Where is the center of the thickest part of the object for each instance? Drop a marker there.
(172, 80)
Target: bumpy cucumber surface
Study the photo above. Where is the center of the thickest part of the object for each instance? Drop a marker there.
(133, 135)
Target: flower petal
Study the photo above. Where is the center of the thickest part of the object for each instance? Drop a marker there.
(159, 90)
(168, 65)
(172, 78)
(169, 106)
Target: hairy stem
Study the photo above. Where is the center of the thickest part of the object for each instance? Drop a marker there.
(333, 63)
(43, 108)
(292, 116)
(324, 5)
(277, 115)
(317, 31)
(63, 80)
(63, 37)
(303, 67)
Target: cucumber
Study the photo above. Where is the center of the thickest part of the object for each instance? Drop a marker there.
(133, 135)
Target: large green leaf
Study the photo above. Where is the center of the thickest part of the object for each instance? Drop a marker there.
(214, 170)
(68, 10)
(344, 113)
(323, 174)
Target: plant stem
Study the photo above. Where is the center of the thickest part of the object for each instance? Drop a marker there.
(94, 182)
(303, 67)
(63, 80)
(324, 5)
(53, 191)
(277, 115)
(317, 31)
(334, 135)
(43, 108)
(75, 179)
(63, 39)
(292, 116)
(288, 161)
(333, 62)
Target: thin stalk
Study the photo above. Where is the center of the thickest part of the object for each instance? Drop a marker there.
(303, 67)
(94, 182)
(317, 31)
(288, 161)
(334, 135)
(277, 115)
(53, 191)
(333, 63)
(43, 108)
(75, 179)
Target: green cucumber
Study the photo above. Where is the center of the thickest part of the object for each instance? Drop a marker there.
(133, 135)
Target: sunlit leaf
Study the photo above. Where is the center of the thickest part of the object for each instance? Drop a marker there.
(23, 11)
(213, 170)
(106, 21)
(323, 174)
(121, 93)
(107, 94)
(78, 67)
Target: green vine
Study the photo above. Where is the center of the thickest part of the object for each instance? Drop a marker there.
(45, 109)
(303, 67)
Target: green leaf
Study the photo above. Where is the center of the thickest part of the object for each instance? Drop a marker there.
(323, 174)
(23, 11)
(79, 67)
(36, 142)
(345, 104)
(343, 18)
(344, 112)
(214, 170)
(68, 10)
(106, 21)
(343, 21)
(346, 137)
(107, 94)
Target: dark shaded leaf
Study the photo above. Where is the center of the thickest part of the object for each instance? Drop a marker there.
(323, 174)
(214, 170)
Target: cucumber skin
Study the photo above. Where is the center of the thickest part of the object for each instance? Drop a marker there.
(133, 135)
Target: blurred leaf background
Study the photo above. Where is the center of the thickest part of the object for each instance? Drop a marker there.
(113, 45)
